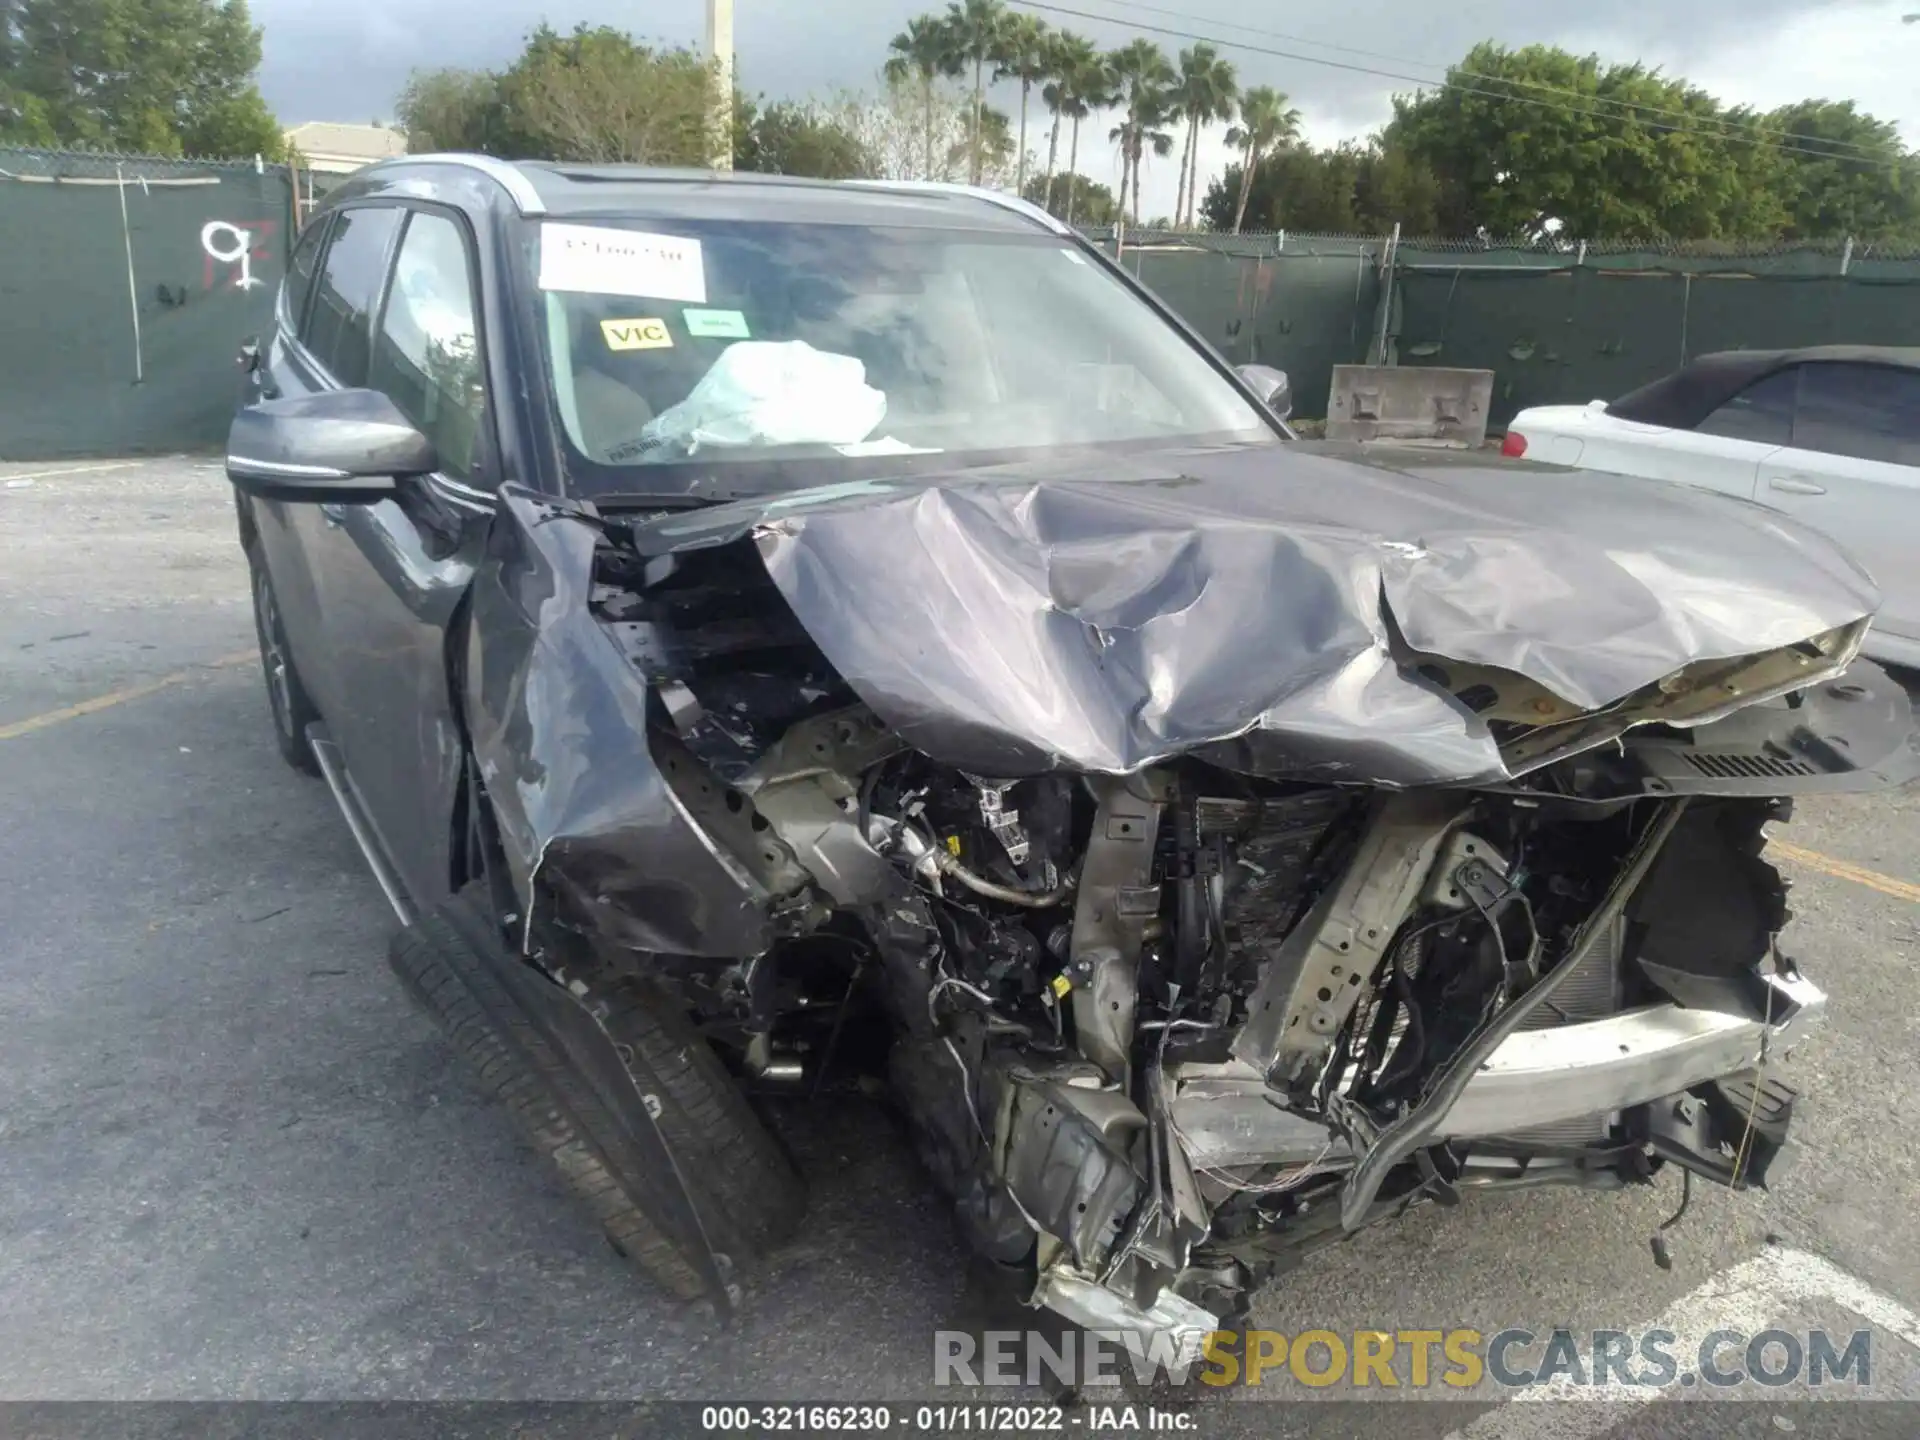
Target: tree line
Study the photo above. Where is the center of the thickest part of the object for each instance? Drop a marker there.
(1528, 142)
(1522, 143)
(146, 77)
(1535, 142)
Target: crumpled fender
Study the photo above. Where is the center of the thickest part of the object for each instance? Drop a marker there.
(557, 720)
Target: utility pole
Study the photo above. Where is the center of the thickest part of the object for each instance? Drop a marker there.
(720, 54)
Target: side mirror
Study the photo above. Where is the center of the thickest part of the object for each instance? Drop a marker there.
(1271, 385)
(339, 446)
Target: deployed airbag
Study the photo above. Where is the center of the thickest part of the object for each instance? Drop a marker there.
(762, 392)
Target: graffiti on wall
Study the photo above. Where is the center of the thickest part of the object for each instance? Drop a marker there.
(230, 251)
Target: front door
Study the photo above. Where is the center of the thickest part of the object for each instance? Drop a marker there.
(391, 584)
(319, 343)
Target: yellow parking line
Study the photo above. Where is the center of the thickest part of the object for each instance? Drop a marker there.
(1842, 870)
(120, 697)
(76, 470)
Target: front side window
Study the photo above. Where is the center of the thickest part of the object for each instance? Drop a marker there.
(426, 356)
(769, 342)
(1761, 413)
(339, 326)
(1869, 412)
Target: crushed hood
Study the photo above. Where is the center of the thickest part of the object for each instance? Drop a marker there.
(1248, 603)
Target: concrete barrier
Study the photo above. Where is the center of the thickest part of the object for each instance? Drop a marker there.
(1380, 402)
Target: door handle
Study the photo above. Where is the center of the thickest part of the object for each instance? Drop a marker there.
(1796, 485)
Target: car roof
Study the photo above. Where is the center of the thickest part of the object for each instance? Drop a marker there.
(559, 190)
(1694, 391)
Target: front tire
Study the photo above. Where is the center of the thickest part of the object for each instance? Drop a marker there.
(746, 1192)
(287, 700)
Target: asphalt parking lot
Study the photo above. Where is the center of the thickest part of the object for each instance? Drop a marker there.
(234, 1162)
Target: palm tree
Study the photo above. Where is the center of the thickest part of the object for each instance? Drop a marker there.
(1068, 54)
(1025, 54)
(976, 26)
(996, 143)
(1267, 122)
(1206, 92)
(1089, 87)
(923, 53)
(1145, 79)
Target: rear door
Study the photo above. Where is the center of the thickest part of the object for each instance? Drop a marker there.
(1852, 469)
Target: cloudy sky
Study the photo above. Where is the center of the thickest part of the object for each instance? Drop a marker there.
(346, 59)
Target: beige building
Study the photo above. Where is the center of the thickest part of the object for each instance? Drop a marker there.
(330, 149)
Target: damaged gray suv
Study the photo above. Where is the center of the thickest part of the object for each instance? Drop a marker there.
(764, 633)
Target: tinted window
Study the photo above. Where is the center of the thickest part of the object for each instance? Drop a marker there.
(338, 330)
(426, 357)
(1762, 413)
(1865, 411)
(300, 271)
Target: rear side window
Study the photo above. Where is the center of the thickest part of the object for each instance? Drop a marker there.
(426, 357)
(300, 271)
(339, 328)
(1867, 412)
(1762, 413)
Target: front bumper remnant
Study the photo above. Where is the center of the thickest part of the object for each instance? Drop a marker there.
(1539, 1076)
(1227, 1116)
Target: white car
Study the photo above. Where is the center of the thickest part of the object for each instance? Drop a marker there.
(1829, 435)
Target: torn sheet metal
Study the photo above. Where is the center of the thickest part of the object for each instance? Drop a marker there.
(1241, 602)
(558, 722)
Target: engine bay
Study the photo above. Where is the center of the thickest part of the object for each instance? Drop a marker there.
(1157, 1033)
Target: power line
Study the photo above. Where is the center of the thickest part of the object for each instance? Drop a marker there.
(1754, 140)
(1695, 122)
(1723, 125)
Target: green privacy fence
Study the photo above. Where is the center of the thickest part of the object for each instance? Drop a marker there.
(1577, 323)
(126, 287)
(127, 283)
(1557, 322)
(1300, 303)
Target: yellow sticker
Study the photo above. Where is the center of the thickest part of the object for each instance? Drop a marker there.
(636, 334)
(953, 844)
(1061, 985)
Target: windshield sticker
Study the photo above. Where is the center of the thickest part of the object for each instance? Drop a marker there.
(715, 324)
(636, 334)
(600, 260)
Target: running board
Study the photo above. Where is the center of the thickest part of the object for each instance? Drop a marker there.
(333, 767)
